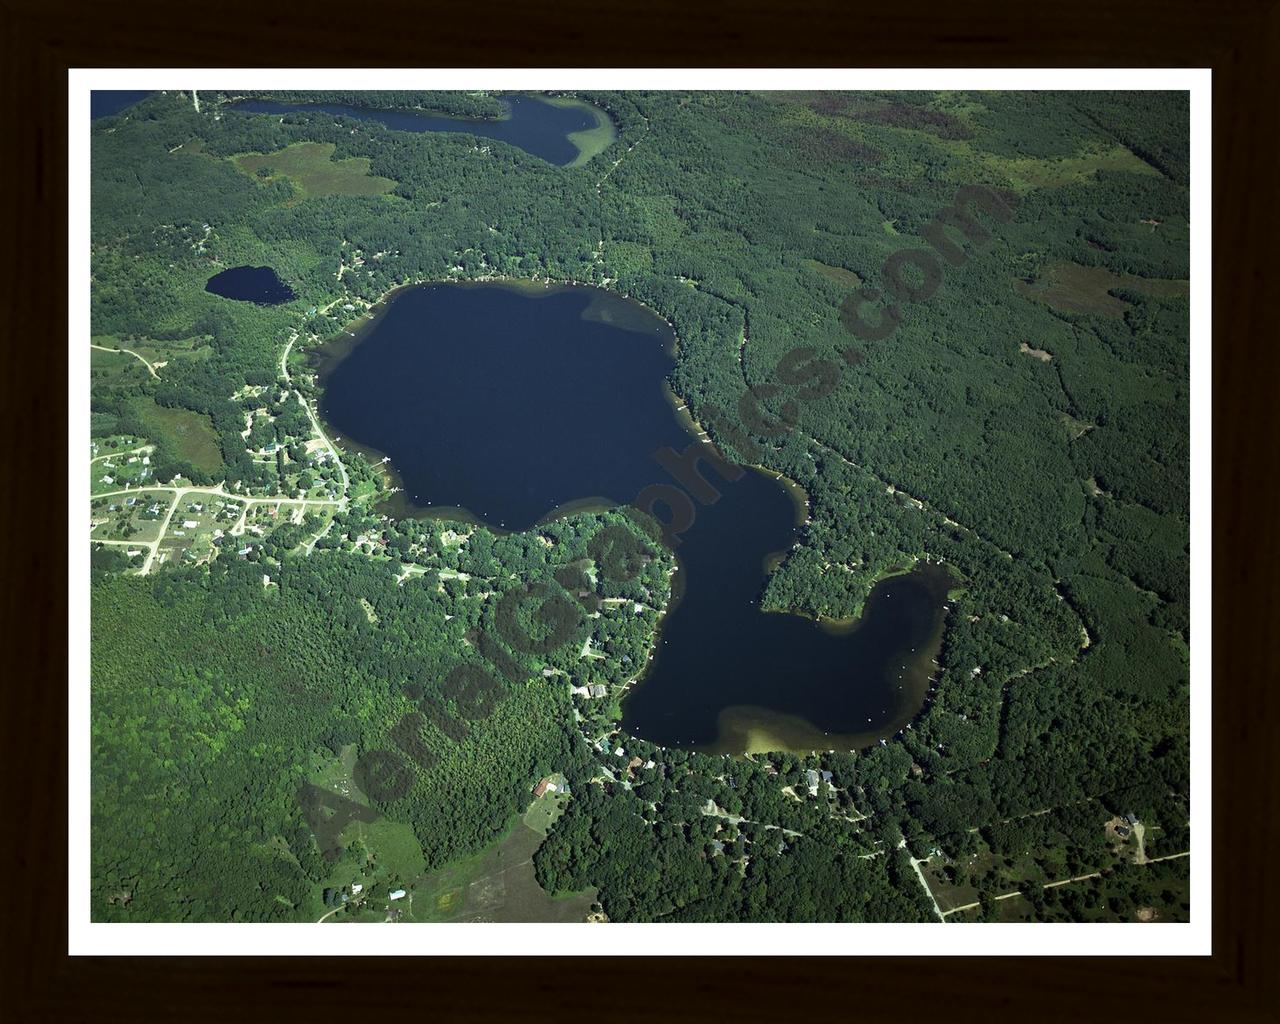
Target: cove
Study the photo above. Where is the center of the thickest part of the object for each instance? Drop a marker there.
(250, 284)
(504, 404)
(562, 132)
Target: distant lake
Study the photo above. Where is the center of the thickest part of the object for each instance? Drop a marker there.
(531, 123)
(510, 402)
(250, 284)
(106, 102)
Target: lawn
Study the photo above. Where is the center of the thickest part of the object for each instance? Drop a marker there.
(543, 812)
(313, 171)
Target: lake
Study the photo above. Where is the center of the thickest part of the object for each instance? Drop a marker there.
(549, 130)
(250, 284)
(106, 102)
(503, 404)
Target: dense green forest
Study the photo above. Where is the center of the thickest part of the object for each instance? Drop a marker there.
(1027, 422)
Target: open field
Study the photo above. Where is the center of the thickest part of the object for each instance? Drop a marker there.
(1072, 288)
(496, 884)
(190, 433)
(112, 368)
(841, 276)
(313, 171)
(1026, 173)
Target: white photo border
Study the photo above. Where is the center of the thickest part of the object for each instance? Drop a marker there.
(86, 937)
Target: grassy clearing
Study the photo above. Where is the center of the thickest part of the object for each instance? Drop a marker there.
(496, 884)
(158, 353)
(1027, 173)
(381, 855)
(310, 167)
(592, 141)
(114, 368)
(842, 277)
(1072, 288)
(190, 434)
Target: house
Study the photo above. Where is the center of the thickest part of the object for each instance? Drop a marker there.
(812, 778)
(634, 763)
(826, 776)
(597, 690)
(189, 524)
(541, 788)
(356, 888)
(398, 894)
(1122, 831)
(1131, 818)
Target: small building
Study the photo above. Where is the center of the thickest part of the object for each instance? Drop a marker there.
(1131, 818)
(398, 894)
(1122, 831)
(189, 524)
(826, 776)
(541, 788)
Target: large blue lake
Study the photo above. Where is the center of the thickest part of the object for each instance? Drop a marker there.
(509, 403)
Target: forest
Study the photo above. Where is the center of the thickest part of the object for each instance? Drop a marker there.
(1028, 423)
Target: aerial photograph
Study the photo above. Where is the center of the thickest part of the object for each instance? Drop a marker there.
(638, 506)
